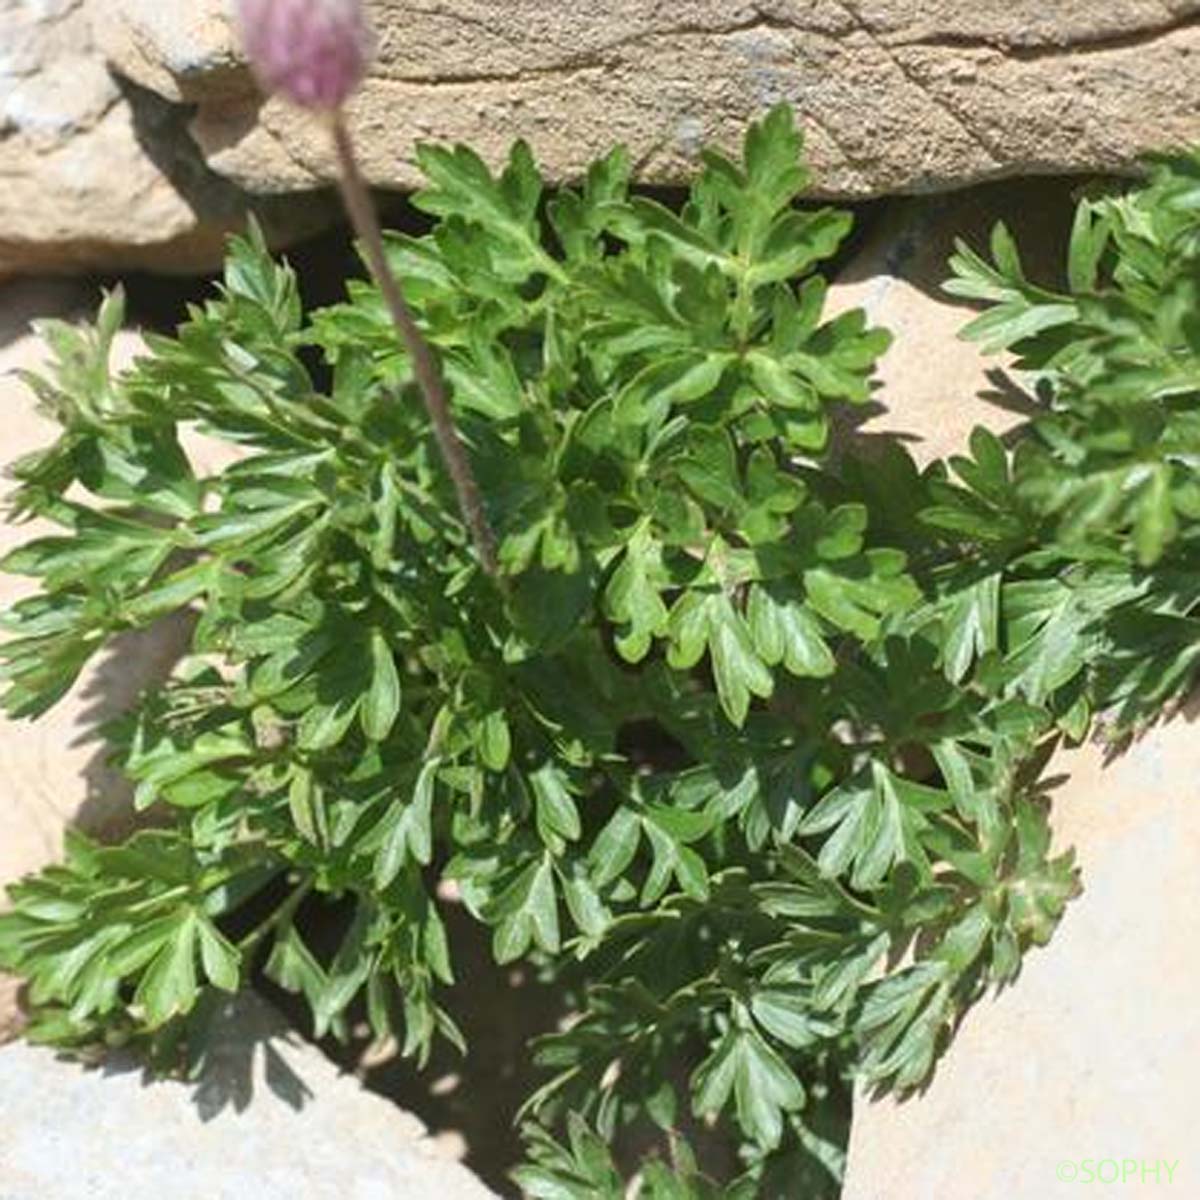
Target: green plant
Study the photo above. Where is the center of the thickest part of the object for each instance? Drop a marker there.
(831, 840)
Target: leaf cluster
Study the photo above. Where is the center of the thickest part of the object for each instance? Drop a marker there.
(743, 745)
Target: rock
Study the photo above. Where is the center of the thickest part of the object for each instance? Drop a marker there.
(934, 387)
(1091, 1054)
(176, 50)
(10, 1010)
(132, 133)
(54, 768)
(51, 765)
(896, 95)
(99, 174)
(270, 1117)
(54, 765)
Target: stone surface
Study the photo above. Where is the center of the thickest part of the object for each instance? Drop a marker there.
(180, 50)
(131, 132)
(10, 1011)
(53, 768)
(98, 174)
(270, 1118)
(1092, 1053)
(896, 95)
(933, 387)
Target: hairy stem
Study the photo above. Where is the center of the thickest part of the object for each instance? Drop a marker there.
(425, 365)
(281, 916)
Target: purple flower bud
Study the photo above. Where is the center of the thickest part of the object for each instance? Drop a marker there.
(313, 52)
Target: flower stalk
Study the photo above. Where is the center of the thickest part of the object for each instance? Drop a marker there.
(315, 53)
(426, 368)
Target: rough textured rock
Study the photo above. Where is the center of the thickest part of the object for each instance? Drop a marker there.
(270, 1118)
(301, 1128)
(53, 769)
(1092, 1053)
(933, 387)
(897, 95)
(131, 132)
(180, 50)
(10, 1012)
(97, 174)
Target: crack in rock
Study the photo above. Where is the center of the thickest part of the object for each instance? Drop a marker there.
(1100, 44)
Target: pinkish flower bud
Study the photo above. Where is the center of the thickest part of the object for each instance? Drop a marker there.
(313, 52)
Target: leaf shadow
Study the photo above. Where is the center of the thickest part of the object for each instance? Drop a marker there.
(134, 662)
(236, 1048)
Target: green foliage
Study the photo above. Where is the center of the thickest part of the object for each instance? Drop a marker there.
(833, 840)
(1106, 483)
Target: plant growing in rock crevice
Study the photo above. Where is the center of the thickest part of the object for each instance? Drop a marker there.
(789, 897)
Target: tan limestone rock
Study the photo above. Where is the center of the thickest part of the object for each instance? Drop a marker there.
(934, 387)
(131, 131)
(1084, 1065)
(269, 1117)
(54, 768)
(173, 48)
(97, 174)
(896, 95)
(1083, 1071)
